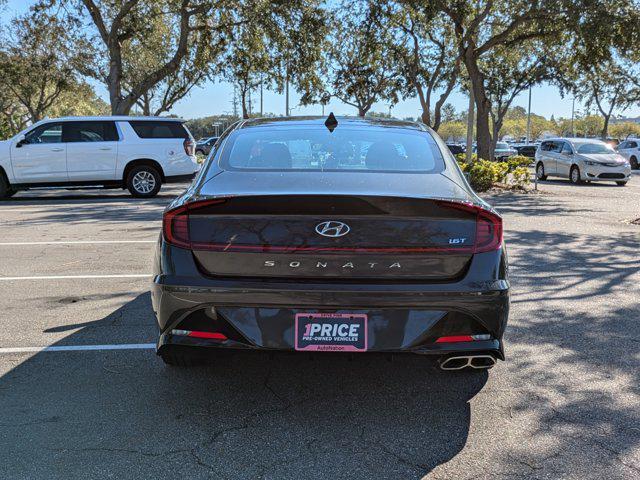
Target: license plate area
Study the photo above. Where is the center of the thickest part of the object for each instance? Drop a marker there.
(331, 332)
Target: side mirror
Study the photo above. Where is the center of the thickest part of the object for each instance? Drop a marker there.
(21, 142)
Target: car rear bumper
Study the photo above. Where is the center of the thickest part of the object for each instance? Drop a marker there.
(259, 314)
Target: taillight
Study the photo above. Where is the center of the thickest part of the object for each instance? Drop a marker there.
(175, 223)
(488, 226)
(463, 338)
(189, 147)
(488, 232)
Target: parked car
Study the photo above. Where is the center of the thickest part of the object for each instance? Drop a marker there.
(527, 150)
(503, 151)
(137, 153)
(581, 159)
(630, 149)
(203, 147)
(455, 148)
(373, 243)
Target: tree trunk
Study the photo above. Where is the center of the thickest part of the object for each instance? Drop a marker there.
(483, 106)
(362, 111)
(425, 116)
(497, 126)
(483, 133)
(243, 101)
(605, 128)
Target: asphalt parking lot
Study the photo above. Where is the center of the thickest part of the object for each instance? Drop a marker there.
(74, 271)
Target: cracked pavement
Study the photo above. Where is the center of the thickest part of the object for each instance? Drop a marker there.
(565, 404)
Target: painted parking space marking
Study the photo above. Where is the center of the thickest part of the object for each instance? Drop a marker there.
(79, 348)
(75, 277)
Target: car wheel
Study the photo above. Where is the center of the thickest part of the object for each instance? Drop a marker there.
(144, 181)
(574, 175)
(540, 171)
(5, 187)
(181, 360)
(621, 183)
(634, 163)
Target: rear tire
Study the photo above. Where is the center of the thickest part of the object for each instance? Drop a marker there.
(5, 187)
(540, 171)
(634, 163)
(144, 181)
(181, 360)
(574, 175)
(621, 184)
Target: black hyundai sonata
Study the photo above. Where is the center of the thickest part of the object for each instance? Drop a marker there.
(331, 235)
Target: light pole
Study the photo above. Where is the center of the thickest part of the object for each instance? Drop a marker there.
(529, 118)
(573, 111)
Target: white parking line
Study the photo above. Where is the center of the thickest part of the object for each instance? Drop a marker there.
(75, 242)
(79, 348)
(75, 277)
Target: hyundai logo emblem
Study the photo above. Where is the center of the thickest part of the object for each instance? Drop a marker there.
(332, 229)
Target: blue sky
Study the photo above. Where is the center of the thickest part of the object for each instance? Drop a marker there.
(215, 98)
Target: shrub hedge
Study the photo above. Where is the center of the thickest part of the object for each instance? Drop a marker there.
(484, 174)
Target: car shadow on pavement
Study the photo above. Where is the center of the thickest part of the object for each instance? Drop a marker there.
(124, 414)
(61, 195)
(572, 347)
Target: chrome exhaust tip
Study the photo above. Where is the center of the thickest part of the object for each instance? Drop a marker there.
(479, 362)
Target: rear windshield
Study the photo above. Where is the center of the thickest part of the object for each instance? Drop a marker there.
(502, 146)
(159, 129)
(595, 148)
(346, 149)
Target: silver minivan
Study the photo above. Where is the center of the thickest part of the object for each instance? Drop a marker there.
(581, 160)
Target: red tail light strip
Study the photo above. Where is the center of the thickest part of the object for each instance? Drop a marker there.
(209, 335)
(488, 234)
(463, 338)
(289, 249)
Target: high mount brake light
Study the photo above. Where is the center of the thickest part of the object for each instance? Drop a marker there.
(175, 223)
(488, 226)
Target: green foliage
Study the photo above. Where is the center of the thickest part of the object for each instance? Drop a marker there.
(360, 59)
(624, 129)
(518, 161)
(484, 174)
(455, 130)
(204, 127)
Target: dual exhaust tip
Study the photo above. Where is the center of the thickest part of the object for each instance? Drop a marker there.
(459, 362)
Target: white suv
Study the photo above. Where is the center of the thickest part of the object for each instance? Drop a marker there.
(630, 149)
(137, 153)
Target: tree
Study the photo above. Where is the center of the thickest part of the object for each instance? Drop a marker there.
(360, 59)
(36, 65)
(482, 26)
(610, 86)
(449, 113)
(454, 131)
(625, 129)
(279, 44)
(487, 25)
(424, 53)
(195, 26)
(140, 55)
(509, 72)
